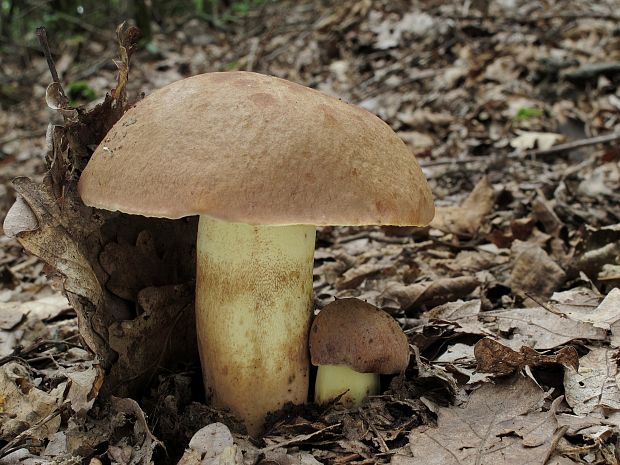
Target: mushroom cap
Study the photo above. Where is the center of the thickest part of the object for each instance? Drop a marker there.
(354, 333)
(250, 148)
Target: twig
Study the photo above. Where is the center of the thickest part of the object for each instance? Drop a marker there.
(559, 434)
(418, 76)
(9, 447)
(42, 36)
(19, 353)
(575, 144)
(299, 439)
(382, 444)
(591, 71)
(544, 305)
(534, 19)
(460, 161)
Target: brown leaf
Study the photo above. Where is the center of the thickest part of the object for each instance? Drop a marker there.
(19, 218)
(129, 417)
(467, 218)
(494, 357)
(159, 336)
(71, 237)
(534, 272)
(353, 277)
(522, 228)
(595, 384)
(133, 267)
(25, 406)
(544, 213)
(541, 329)
(408, 297)
(479, 432)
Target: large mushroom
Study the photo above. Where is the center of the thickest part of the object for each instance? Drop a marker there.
(263, 161)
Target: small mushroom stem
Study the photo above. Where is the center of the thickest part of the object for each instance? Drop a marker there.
(334, 380)
(253, 313)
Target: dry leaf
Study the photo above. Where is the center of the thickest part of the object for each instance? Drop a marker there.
(354, 276)
(494, 357)
(595, 384)
(467, 218)
(19, 218)
(540, 140)
(84, 387)
(419, 142)
(605, 316)
(479, 432)
(534, 272)
(409, 297)
(211, 440)
(24, 457)
(425, 118)
(142, 444)
(541, 329)
(25, 406)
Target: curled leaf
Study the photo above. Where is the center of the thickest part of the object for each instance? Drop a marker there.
(20, 218)
(55, 97)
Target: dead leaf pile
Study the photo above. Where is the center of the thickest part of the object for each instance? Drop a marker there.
(509, 298)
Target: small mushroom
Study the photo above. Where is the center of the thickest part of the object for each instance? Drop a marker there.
(352, 343)
(262, 161)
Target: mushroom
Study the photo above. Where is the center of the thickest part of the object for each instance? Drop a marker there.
(352, 343)
(263, 161)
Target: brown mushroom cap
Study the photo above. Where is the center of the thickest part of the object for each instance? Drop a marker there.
(356, 334)
(246, 147)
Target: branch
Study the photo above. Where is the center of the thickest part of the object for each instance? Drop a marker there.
(42, 36)
(575, 144)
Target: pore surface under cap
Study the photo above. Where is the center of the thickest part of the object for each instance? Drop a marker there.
(246, 147)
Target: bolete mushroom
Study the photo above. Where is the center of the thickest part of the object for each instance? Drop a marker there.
(352, 343)
(263, 161)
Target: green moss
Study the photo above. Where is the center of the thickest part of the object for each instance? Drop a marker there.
(80, 91)
(526, 113)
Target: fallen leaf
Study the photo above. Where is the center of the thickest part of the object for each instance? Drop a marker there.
(424, 118)
(25, 406)
(84, 387)
(140, 444)
(595, 384)
(354, 276)
(605, 316)
(24, 457)
(480, 432)
(419, 142)
(19, 218)
(494, 357)
(211, 440)
(408, 297)
(609, 273)
(540, 329)
(454, 311)
(541, 140)
(467, 218)
(534, 272)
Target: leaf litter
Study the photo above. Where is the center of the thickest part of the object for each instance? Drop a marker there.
(502, 106)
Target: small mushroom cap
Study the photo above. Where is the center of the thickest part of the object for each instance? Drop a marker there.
(249, 148)
(356, 334)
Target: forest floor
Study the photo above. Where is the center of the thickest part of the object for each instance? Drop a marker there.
(509, 298)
